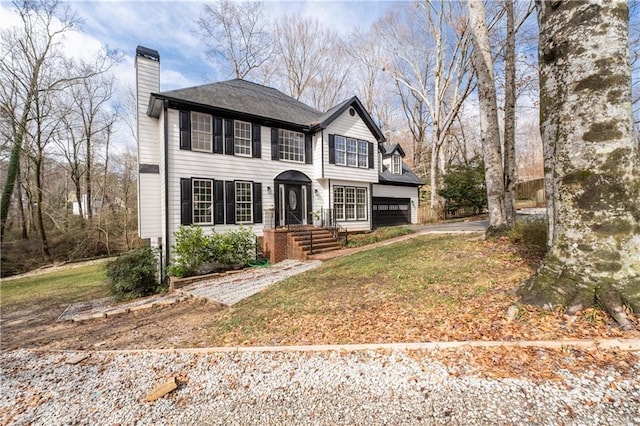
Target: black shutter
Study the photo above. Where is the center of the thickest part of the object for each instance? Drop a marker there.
(257, 202)
(275, 153)
(370, 155)
(185, 201)
(231, 201)
(185, 130)
(218, 142)
(218, 202)
(256, 146)
(332, 149)
(228, 137)
(308, 148)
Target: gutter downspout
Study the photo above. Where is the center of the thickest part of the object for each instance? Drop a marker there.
(322, 153)
(166, 182)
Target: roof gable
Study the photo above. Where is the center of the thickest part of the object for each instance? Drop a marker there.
(392, 149)
(332, 114)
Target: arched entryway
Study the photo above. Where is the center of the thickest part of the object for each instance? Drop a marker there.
(292, 198)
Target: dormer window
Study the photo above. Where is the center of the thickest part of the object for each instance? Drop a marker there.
(396, 164)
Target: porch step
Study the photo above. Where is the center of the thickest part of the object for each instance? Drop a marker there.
(313, 240)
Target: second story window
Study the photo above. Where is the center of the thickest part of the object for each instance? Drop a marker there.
(291, 146)
(201, 132)
(396, 164)
(351, 152)
(242, 138)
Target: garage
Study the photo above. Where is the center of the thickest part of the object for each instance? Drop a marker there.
(391, 211)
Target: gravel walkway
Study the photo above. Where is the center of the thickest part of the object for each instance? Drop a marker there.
(231, 289)
(355, 388)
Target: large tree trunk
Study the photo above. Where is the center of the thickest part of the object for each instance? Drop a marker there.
(591, 160)
(489, 128)
(510, 117)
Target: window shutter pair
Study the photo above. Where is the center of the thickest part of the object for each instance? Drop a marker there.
(186, 202)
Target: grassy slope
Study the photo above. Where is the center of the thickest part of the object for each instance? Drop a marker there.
(67, 285)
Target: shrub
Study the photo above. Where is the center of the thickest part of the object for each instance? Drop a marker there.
(464, 187)
(133, 274)
(193, 250)
(190, 251)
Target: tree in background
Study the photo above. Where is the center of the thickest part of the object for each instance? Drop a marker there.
(31, 53)
(592, 161)
(239, 33)
(463, 187)
(489, 127)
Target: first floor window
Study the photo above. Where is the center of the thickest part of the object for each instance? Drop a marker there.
(202, 201)
(291, 146)
(244, 202)
(201, 132)
(242, 138)
(350, 203)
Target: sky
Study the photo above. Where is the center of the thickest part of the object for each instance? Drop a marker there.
(169, 27)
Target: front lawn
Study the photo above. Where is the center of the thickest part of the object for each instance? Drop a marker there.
(68, 285)
(426, 289)
(380, 234)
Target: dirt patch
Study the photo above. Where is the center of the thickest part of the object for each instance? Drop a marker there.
(184, 324)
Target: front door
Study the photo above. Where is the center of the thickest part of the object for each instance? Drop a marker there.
(293, 205)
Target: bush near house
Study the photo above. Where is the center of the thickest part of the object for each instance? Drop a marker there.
(197, 253)
(133, 274)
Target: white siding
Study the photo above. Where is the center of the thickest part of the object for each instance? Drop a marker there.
(149, 208)
(147, 81)
(149, 139)
(393, 191)
(346, 125)
(186, 164)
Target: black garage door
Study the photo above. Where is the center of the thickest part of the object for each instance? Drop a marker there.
(391, 211)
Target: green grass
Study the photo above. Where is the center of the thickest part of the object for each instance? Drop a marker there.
(68, 285)
(379, 234)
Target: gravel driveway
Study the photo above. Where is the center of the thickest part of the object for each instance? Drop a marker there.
(360, 388)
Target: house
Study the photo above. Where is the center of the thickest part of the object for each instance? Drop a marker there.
(236, 153)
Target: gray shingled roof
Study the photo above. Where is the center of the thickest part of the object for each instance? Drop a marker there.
(390, 148)
(249, 98)
(407, 177)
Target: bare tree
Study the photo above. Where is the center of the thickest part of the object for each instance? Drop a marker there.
(592, 162)
(238, 33)
(28, 51)
(489, 127)
(429, 48)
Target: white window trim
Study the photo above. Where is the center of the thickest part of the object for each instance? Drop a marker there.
(236, 138)
(193, 201)
(236, 202)
(281, 134)
(396, 169)
(209, 133)
(355, 203)
(346, 152)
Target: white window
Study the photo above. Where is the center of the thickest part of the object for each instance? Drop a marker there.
(341, 150)
(291, 146)
(361, 203)
(202, 190)
(352, 153)
(396, 164)
(242, 138)
(363, 154)
(244, 202)
(350, 203)
(201, 139)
